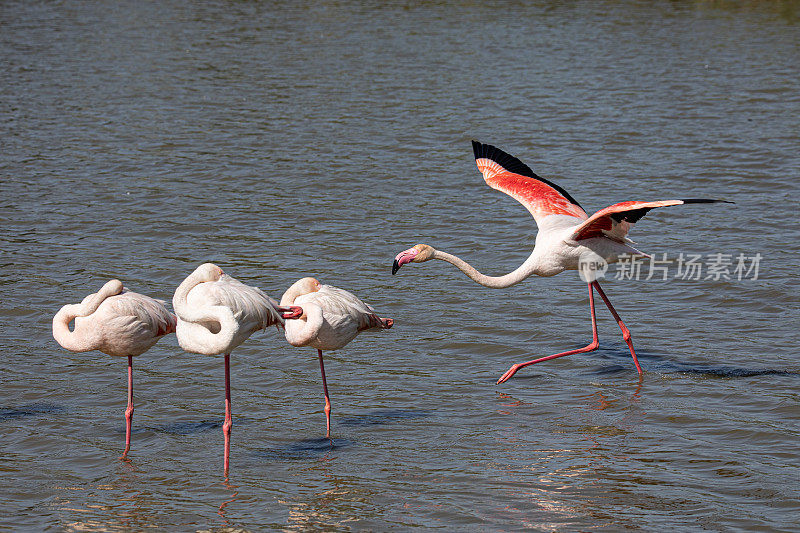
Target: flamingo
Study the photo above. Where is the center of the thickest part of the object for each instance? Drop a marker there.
(567, 237)
(117, 322)
(217, 313)
(331, 318)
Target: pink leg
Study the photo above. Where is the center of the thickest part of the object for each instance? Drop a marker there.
(626, 334)
(327, 399)
(129, 410)
(588, 348)
(226, 427)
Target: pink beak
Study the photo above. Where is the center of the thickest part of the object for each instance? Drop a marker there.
(290, 312)
(403, 258)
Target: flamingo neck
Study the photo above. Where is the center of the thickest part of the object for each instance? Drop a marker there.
(207, 329)
(84, 337)
(495, 282)
(304, 330)
(290, 295)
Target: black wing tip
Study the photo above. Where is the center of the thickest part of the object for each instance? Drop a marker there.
(508, 161)
(705, 201)
(513, 164)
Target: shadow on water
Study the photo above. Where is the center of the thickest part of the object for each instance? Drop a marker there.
(618, 361)
(191, 428)
(385, 416)
(658, 363)
(26, 411)
(728, 372)
(303, 449)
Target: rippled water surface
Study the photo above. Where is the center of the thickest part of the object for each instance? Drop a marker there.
(284, 140)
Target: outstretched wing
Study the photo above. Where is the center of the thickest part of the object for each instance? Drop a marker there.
(508, 174)
(616, 220)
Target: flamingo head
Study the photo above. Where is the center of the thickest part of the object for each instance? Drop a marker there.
(208, 272)
(112, 287)
(417, 254)
(307, 285)
(300, 287)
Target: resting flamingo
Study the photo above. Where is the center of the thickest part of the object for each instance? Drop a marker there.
(217, 313)
(331, 318)
(567, 236)
(117, 322)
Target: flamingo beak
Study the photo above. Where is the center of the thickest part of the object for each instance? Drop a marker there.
(403, 258)
(290, 312)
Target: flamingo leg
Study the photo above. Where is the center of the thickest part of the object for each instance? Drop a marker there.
(226, 427)
(129, 410)
(327, 398)
(626, 334)
(588, 348)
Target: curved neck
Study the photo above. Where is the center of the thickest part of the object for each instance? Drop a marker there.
(304, 330)
(495, 282)
(82, 339)
(208, 329)
(290, 295)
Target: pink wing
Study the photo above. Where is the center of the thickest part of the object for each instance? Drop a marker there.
(616, 220)
(508, 174)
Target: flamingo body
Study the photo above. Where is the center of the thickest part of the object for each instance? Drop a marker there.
(217, 313)
(117, 322)
(567, 235)
(332, 317)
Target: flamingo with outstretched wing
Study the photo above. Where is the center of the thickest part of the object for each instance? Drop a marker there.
(567, 236)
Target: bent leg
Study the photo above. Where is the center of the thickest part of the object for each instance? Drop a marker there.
(626, 334)
(588, 348)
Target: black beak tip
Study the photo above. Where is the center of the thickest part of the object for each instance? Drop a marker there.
(395, 267)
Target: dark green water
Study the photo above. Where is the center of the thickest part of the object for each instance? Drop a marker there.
(284, 140)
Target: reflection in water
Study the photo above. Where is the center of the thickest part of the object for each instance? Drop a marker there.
(338, 501)
(128, 512)
(234, 495)
(563, 472)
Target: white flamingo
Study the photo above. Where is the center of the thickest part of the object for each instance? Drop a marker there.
(117, 322)
(331, 318)
(567, 236)
(217, 313)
